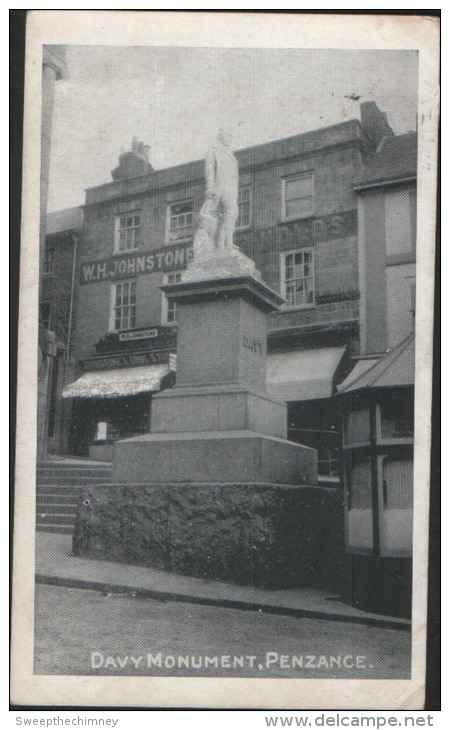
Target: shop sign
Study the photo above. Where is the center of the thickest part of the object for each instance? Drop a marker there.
(137, 335)
(127, 360)
(168, 258)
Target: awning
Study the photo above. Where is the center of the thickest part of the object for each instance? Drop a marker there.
(303, 374)
(117, 382)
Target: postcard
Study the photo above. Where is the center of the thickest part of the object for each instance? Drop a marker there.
(223, 435)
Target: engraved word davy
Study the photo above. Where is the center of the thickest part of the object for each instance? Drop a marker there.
(252, 345)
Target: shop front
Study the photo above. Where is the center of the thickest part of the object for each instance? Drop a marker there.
(111, 398)
(377, 402)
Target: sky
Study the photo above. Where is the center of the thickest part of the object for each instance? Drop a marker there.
(175, 99)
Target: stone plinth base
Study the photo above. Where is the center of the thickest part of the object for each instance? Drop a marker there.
(273, 536)
(213, 457)
(218, 408)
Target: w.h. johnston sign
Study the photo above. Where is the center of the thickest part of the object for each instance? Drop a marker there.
(167, 258)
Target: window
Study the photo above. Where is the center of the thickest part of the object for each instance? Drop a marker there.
(328, 462)
(169, 308)
(124, 305)
(180, 221)
(359, 516)
(128, 229)
(49, 260)
(397, 417)
(298, 195)
(360, 496)
(298, 278)
(398, 483)
(357, 426)
(44, 314)
(399, 207)
(244, 205)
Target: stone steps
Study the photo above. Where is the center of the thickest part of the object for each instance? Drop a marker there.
(59, 485)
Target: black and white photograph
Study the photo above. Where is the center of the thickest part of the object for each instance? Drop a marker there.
(227, 260)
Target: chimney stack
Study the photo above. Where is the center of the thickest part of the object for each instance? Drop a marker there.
(133, 163)
(375, 122)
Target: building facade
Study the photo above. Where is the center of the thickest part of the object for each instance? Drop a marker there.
(377, 398)
(298, 220)
(56, 310)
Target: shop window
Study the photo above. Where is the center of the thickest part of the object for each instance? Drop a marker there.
(169, 308)
(298, 278)
(49, 260)
(298, 195)
(44, 314)
(328, 462)
(359, 517)
(124, 305)
(361, 485)
(397, 483)
(357, 426)
(180, 221)
(101, 433)
(244, 205)
(128, 232)
(397, 513)
(397, 417)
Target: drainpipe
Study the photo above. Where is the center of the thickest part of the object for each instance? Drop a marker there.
(72, 291)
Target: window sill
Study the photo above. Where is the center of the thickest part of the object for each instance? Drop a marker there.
(303, 217)
(178, 241)
(297, 308)
(128, 251)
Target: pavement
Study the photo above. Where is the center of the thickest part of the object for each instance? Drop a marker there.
(55, 565)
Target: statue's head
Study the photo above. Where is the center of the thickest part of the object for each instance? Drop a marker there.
(224, 136)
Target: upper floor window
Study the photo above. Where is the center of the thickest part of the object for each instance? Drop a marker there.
(49, 260)
(297, 282)
(44, 314)
(298, 195)
(127, 234)
(400, 209)
(180, 221)
(124, 305)
(169, 308)
(244, 205)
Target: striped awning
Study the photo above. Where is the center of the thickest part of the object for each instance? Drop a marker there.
(117, 382)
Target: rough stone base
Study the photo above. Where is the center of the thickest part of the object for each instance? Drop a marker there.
(262, 535)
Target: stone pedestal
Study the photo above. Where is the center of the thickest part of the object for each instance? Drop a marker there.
(218, 425)
(217, 453)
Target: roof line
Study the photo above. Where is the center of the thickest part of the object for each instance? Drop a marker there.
(384, 182)
(396, 352)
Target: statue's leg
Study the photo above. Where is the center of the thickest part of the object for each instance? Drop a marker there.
(228, 220)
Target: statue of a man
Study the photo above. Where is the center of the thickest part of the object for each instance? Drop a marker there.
(221, 171)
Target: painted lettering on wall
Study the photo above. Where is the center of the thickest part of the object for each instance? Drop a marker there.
(252, 345)
(123, 267)
(131, 359)
(299, 233)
